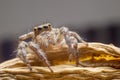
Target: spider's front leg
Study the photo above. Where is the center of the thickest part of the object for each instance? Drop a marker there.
(22, 53)
(39, 54)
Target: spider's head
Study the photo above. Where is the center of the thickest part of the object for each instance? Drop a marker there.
(42, 28)
(64, 30)
(47, 27)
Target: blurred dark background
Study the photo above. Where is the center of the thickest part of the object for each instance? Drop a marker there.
(94, 20)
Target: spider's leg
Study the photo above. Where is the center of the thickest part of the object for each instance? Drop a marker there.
(70, 57)
(77, 56)
(75, 47)
(26, 36)
(40, 54)
(22, 54)
(70, 52)
(74, 34)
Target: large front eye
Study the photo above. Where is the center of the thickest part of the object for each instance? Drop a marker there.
(39, 29)
(45, 27)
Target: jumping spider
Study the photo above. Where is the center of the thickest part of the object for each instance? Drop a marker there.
(44, 35)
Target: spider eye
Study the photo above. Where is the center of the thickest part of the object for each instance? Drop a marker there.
(35, 29)
(49, 25)
(45, 27)
(39, 29)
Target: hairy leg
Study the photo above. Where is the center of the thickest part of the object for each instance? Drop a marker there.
(79, 39)
(40, 54)
(77, 55)
(22, 54)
